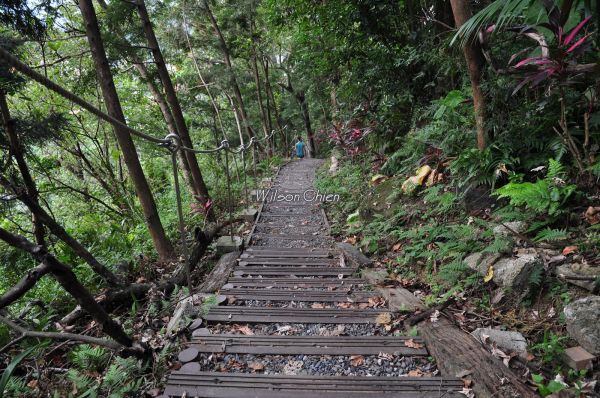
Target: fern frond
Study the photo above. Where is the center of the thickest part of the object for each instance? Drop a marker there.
(551, 235)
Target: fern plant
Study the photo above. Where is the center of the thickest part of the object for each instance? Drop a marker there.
(86, 357)
(545, 196)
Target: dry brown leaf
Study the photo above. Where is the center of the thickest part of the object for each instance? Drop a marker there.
(412, 344)
(344, 305)
(397, 247)
(384, 318)
(416, 373)
(569, 249)
(256, 366)
(357, 360)
(317, 305)
(245, 330)
(33, 384)
(592, 215)
(351, 240)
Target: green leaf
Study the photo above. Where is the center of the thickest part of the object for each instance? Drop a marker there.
(11, 367)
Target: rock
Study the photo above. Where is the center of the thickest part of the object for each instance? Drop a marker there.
(334, 165)
(508, 271)
(480, 262)
(578, 358)
(578, 270)
(183, 310)
(400, 299)
(353, 256)
(582, 322)
(514, 272)
(228, 244)
(509, 341)
(375, 276)
(517, 226)
(249, 214)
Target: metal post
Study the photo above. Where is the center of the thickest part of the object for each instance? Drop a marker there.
(229, 194)
(184, 246)
(245, 179)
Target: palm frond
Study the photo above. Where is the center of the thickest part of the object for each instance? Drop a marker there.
(500, 13)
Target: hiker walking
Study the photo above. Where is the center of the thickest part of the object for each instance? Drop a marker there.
(300, 147)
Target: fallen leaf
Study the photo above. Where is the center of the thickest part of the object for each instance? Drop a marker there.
(351, 240)
(416, 373)
(256, 366)
(569, 249)
(489, 275)
(357, 360)
(317, 305)
(467, 392)
(155, 392)
(245, 330)
(397, 247)
(592, 215)
(384, 318)
(33, 384)
(412, 344)
(435, 316)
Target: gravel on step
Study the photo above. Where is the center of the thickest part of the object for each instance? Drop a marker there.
(324, 365)
(301, 329)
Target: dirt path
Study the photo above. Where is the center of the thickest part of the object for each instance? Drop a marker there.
(298, 322)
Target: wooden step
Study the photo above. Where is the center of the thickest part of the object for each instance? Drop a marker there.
(309, 345)
(228, 385)
(289, 261)
(299, 283)
(305, 295)
(292, 315)
(292, 270)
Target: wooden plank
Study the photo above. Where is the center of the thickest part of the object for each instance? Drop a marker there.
(227, 385)
(295, 282)
(293, 315)
(297, 295)
(309, 345)
(289, 261)
(287, 271)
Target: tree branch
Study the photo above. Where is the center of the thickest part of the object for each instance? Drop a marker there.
(24, 333)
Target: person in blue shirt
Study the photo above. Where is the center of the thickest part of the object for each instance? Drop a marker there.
(300, 148)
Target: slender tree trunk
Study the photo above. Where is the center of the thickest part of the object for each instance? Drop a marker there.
(16, 151)
(261, 107)
(173, 101)
(265, 66)
(227, 59)
(168, 116)
(474, 58)
(162, 244)
(301, 98)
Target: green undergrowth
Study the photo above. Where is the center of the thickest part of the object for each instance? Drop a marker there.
(422, 239)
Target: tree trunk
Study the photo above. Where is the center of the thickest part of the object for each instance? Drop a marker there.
(173, 101)
(168, 116)
(16, 150)
(227, 59)
(456, 351)
(68, 280)
(263, 114)
(474, 58)
(301, 98)
(162, 244)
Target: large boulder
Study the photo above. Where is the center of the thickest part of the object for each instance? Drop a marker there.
(582, 322)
